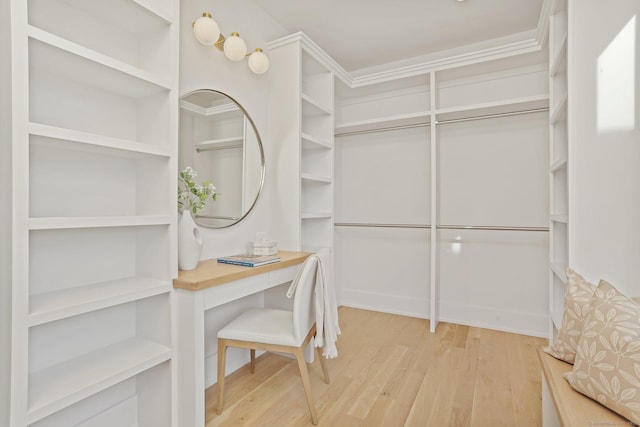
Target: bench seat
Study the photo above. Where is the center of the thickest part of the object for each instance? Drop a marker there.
(563, 406)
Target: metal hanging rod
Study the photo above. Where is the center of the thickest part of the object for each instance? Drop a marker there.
(490, 228)
(219, 148)
(362, 224)
(443, 122)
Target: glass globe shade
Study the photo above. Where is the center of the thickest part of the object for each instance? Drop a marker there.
(206, 30)
(234, 47)
(258, 61)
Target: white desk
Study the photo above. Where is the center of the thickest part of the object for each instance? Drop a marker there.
(208, 286)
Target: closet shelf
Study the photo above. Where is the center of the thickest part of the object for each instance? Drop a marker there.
(56, 223)
(315, 178)
(559, 218)
(495, 107)
(315, 215)
(559, 112)
(410, 119)
(315, 141)
(62, 385)
(232, 142)
(62, 57)
(559, 60)
(556, 318)
(72, 138)
(316, 108)
(58, 305)
(557, 165)
(560, 270)
(134, 16)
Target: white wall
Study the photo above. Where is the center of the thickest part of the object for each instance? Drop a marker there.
(604, 112)
(5, 211)
(204, 67)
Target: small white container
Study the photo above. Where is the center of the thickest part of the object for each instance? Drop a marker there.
(267, 247)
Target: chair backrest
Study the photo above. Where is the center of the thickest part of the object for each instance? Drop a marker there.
(303, 301)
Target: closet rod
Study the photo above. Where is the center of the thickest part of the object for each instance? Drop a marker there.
(219, 148)
(362, 224)
(490, 228)
(443, 122)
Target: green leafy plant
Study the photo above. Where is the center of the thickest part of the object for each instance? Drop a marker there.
(193, 196)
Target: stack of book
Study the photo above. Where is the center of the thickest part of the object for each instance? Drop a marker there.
(249, 260)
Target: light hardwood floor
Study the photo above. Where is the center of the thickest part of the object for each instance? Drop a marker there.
(392, 372)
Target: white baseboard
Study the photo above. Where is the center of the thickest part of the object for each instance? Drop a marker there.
(500, 319)
(386, 303)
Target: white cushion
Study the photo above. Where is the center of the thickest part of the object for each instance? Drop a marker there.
(262, 325)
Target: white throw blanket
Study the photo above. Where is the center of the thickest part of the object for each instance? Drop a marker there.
(326, 306)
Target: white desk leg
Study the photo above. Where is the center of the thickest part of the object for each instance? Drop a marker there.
(189, 347)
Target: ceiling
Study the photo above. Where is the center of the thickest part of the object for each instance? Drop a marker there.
(365, 33)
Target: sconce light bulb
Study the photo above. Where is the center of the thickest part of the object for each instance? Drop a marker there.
(206, 30)
(234, 47)
(258, 61)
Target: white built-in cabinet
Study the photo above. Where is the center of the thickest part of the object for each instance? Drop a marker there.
(558, 168)
(302, 126)
(94, 211)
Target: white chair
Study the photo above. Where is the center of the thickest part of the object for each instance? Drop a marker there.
(277, 330)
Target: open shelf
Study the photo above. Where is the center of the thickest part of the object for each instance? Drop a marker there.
(231, 142)
(495, 107)
(560, 270)
(315, 215)
(559, 112)
(316, 141)
(67, 137)
(64, 303)
(557, 165)
(315, 108)
(97, 222)
(315, 178)
(410, 119)
(59, 56)
(69, 382)
(563, 218)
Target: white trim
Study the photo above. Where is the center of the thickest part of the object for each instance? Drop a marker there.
(385, 303)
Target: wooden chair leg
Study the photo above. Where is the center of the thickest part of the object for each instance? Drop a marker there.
(304, 373)
(222, 355)
(323, 363)
(252, 366)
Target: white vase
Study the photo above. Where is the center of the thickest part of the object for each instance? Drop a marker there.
(189, 242)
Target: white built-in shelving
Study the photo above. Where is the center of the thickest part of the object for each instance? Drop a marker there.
(559, 164)
(94, 216)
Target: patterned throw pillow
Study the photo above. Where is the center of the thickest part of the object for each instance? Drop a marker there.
(607, 366)
(577, 298)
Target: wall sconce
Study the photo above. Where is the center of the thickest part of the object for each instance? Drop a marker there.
(207, 32)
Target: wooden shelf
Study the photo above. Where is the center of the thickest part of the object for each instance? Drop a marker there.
(315, 178)
(557, 165)
(559, 60)
(316, 108)
(495, 107)
(315, 141)
(62, 385)
(560, 111)
(417, 118)
(58, 305)
(50, 223)
(59, 56)
(69, 138)
(559, 218)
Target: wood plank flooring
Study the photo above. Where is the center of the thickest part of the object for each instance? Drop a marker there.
(391, 371)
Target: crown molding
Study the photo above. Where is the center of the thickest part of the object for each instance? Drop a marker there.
(533, 43)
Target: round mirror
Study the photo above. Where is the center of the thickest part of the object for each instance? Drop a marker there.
(220, 142)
